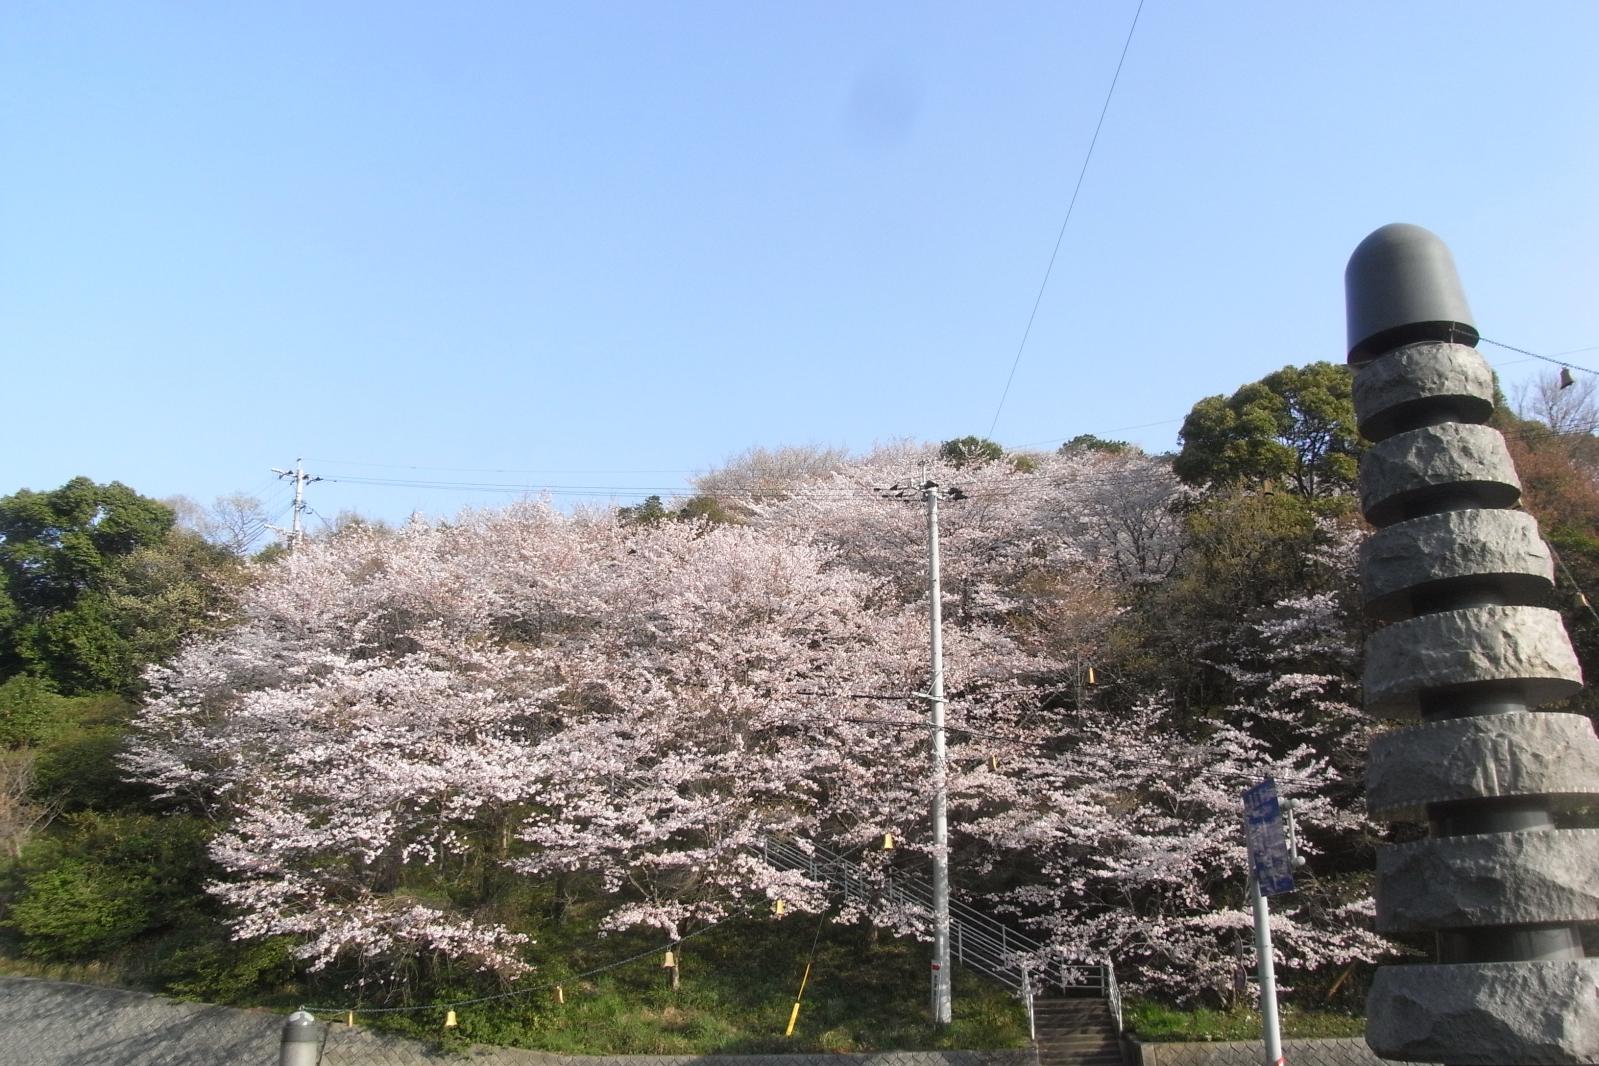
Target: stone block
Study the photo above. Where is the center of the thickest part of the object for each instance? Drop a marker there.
(1518, 878)
(1456, 649)
(1429, 375)
(1410, 469)
(1531, 754)
(1487, 1013)
(1453, 547)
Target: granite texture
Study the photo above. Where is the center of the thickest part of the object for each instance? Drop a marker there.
(1515, 878)
(1528, 754)
(1487, 1013)
(1474, 644)
(1455, 547)
(1418, 465)
(1430, 374)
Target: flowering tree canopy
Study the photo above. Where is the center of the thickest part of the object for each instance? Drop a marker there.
(644, 702)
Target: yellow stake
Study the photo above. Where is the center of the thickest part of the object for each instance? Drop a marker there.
(560, 994)
(888, 841)
(779, 908)
(349, 1018)
(794, 1015)
(449, 1020)
(1090, 675)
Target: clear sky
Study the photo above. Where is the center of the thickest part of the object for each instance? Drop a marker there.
(611, 244)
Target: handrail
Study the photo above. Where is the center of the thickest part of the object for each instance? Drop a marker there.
(1020, 963)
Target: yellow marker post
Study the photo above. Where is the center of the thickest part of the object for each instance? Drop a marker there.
(449, 1020)
(794, 1014)
(560, 994)
(349, 1018)
(779, 908)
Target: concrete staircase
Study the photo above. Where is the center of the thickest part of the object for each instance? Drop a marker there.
(1075, 1032)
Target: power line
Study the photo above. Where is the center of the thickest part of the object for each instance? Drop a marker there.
(1070, 206)
(1547, 358)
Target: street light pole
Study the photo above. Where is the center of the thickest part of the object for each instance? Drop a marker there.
(935, 702)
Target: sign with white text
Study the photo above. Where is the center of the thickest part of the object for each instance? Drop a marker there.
(1268, 844)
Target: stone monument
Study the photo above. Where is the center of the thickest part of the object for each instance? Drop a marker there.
(1457, 582)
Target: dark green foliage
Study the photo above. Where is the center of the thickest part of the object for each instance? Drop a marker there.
(964, 450)
(96, 583)
(1294, 427)
(33, 715)
(201, 962)
(30, 710)
(649, 513)
(103, 881)
(1245, 552)
(708, 508)
(55, 544)
(1088, 442)
(1157, 1022)
(78, 772)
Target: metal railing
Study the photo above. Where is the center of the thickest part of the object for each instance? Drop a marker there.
(991, 948)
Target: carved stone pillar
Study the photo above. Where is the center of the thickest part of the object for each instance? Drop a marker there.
(1458, 582)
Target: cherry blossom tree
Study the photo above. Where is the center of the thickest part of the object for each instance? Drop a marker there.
(533, 694)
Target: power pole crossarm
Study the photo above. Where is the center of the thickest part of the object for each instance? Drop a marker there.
(301, 479)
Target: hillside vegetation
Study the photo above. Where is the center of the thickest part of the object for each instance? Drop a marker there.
(415, 767)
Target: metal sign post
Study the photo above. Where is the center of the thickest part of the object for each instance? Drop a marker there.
(1270, 872)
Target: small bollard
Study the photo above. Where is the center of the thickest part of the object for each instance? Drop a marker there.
(303, 1036)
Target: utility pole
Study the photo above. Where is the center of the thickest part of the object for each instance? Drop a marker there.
(301, 479)
(935, 703)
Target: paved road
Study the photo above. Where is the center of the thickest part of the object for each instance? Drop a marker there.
(49, 1023)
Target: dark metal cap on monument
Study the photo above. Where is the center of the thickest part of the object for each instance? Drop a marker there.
(1400, 287)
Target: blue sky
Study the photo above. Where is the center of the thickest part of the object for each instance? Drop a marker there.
(612, 244)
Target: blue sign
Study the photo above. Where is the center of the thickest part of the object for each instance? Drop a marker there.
(1268, 844)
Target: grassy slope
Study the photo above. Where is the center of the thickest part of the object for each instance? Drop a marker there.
(737, 988)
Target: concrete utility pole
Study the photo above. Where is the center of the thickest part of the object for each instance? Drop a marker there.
(935, 703)
(1266, 969)
(303, 1037)
(1461, 579)
(301, 480)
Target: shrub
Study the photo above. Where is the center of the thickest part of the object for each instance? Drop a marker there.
(106, 880)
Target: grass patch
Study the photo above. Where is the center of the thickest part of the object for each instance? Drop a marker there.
(736, 991)
(1157, 1022)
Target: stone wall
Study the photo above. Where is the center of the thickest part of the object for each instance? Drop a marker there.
(49, 1023)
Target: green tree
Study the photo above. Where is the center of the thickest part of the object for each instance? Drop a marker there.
(652, 512)
(105, 881)
(1088, 442)
(964, 450)
(1294, 427)
(96, 582)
